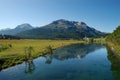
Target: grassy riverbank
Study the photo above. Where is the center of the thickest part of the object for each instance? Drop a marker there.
(116, 47)
(113, 40)
(15, 51)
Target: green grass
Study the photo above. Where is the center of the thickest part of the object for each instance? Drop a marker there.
(16, 53)
(114, 46)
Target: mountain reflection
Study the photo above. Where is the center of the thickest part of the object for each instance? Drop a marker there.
(72, 51)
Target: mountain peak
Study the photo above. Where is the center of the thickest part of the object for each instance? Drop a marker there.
(63, 23)
(24, 26)
(18, 29)
(81, 23)
(67, 21)
(60, 21)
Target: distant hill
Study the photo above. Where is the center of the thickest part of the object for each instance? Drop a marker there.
(61, 29)
(18, 29)
(115, 36)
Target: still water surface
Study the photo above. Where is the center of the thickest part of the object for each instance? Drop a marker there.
(74, 62)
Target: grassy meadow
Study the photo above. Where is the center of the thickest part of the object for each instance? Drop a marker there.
(15, 53)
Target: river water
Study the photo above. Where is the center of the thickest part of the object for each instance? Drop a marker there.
(73, 62)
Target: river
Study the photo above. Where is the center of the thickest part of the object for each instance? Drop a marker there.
(73, 62)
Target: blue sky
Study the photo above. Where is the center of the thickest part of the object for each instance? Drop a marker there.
(103, 15)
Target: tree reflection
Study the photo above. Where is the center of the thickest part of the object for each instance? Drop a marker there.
(1, 64)
(115, 60)
(29, 66)
(48, 58)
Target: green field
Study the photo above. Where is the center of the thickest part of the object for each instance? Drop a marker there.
(14, 51)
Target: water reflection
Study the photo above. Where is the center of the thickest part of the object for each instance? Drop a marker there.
(1, 63)
(64, 64)
(72, 51)
(29, 66)
(115, 60)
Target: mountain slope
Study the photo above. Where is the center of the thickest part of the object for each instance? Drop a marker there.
(62, 29)
(18, 29)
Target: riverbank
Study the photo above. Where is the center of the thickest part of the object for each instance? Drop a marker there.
(15, 54)
(116, 47)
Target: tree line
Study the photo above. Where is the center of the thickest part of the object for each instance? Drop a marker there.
(8, 37)
(115, 36)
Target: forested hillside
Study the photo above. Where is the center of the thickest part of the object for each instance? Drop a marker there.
(62, 29)
(115, 36)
